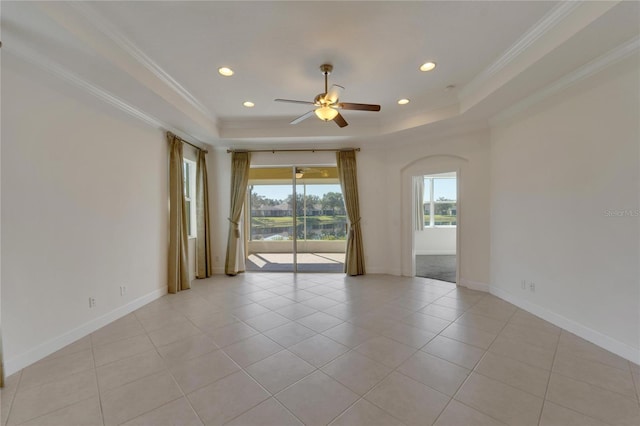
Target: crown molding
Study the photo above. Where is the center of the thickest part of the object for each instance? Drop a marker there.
(550, 20)
(544, 25)
(109, 30)
(96, 35)
(591, 68)
(30, 56)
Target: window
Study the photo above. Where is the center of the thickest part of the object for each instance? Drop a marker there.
(440, 201)
(320, 212)
(189, 185)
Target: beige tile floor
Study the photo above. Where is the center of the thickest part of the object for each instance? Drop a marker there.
(316, 349)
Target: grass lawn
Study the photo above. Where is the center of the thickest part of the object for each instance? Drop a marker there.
(278, 222)
(441, 219)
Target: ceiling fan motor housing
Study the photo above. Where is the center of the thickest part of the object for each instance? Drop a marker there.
(326, 69)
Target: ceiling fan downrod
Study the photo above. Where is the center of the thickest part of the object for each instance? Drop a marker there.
(326, 70)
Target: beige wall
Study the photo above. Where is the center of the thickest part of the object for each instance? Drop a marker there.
(557, 172)
(435, 241)
(388, 228)
(84, 211)
(380, 169)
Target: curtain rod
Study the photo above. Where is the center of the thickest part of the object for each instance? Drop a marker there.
(291, 150)
(188, 143)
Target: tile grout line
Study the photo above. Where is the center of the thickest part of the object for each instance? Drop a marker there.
(363, 397)
(381, 305)
(184, 395)
(95, 373)
(168, 370)
(13, 397)
(271, 395)
(93, 369)
(595, 360)
(617, 394)
(636, 384)
(473, 370)
(328, 362)
(58, 408)
(596, 385)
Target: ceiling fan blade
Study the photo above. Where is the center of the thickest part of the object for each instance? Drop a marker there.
(303, 117)
(334, 93)
(294, 102)
(340, 121)
(359, 107)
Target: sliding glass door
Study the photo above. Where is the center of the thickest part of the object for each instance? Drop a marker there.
(271, 230)
(297, 220)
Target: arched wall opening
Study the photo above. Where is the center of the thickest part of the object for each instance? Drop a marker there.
(429, 165)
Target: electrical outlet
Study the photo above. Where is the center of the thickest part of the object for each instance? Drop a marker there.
(123, 290)
(92, 302)
(523, 284)
(532, 287)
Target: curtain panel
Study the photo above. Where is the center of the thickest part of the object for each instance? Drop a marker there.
(178, 264)
(347, 172)
(204, 266)
(240, 162)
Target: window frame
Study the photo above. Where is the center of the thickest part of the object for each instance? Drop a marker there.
(432, 202)
(189, 192)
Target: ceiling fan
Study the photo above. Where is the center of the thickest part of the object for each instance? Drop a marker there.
(327, 104)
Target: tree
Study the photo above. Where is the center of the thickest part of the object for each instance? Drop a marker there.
(257, 201)
(332, 201)
(312, 200)
(443, 208)
(299, 203)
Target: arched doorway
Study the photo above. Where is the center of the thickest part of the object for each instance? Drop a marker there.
(428, 166)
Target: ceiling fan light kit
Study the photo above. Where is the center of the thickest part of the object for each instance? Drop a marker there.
(327, 104)
(326, 113)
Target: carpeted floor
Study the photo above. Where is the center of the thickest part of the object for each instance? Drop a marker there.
(437, 267)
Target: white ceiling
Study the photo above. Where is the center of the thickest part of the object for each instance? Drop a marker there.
(159, 59)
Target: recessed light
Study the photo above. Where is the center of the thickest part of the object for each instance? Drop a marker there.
(225, 71)
(403, 101)
(249, 104)
(427, 66)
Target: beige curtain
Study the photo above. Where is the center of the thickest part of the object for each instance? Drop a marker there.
(418, 197)
(347, 172)
(240, 162)
(178, 265)
(240, 249)
(204, 266)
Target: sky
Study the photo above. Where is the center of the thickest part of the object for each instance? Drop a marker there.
(443, 188)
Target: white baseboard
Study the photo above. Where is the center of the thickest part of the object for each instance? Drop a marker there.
(45, 349)
(474, 285)
(612, 345)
